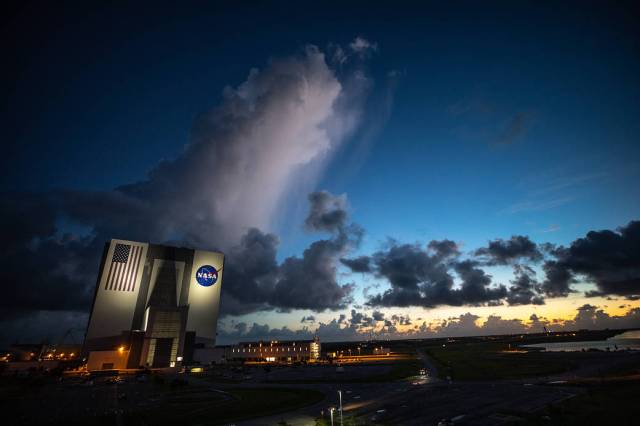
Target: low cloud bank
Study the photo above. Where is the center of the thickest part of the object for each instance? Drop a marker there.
(361, 326)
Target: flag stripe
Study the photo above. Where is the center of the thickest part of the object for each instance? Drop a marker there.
(127, 270)
(116, 285)
(127, 276)
(134, 269)
(106, 285)
(115, 275)
(124, 267)
(123, 274)
(135, 274)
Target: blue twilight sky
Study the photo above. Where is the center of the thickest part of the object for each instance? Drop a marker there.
(485, 119)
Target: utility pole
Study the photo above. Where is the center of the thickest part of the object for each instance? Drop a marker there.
(340, 397)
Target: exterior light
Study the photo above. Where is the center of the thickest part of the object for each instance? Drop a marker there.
(121, 349)
(340, 396)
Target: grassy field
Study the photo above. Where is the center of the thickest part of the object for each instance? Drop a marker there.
(154, 402)
(247, 403)
(493, 361)
(399, 370)
(613, 404)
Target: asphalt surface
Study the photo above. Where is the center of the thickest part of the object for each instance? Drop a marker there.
(427, 400)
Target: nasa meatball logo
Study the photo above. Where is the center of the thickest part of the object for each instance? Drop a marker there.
(206, 275)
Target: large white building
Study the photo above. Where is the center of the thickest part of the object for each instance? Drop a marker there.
(153, 305)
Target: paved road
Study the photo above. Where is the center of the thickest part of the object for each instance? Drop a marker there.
(427, 400)
(429, 365)
(356, 397)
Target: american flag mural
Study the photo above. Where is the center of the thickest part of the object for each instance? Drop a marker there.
(124, 267)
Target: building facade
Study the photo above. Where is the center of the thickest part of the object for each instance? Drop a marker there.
(274, 351)
(153, 304)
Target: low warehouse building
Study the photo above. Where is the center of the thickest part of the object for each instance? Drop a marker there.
(275, 351)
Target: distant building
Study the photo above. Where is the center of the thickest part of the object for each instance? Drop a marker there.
(41, 351)
(153, 304)
(379, 350)
(274, 351)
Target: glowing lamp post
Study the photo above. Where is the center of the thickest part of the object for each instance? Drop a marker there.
(340, 398)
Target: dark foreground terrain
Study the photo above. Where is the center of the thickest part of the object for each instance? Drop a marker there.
(474, 381)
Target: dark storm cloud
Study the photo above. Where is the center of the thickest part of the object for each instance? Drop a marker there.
(41, 269)
(310, 282)
(360, 320)
(251, 272)
(327, 212)
(504, 252)
(475, 284)
(427, 278)
(254, 280)
(309, 318)
(242, 158)
(358, 264)
(401, 320)
(378, 316)
(558, 279)
(356, 317)
(611, 260)
(524, 289)
(444, 248)
(420, 279)
(608, 259)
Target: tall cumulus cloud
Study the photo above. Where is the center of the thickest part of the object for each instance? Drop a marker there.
(222, 192)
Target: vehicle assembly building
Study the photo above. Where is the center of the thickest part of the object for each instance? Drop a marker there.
(153, 305)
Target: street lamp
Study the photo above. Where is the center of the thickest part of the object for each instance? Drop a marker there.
(331, 412)
(340, 397)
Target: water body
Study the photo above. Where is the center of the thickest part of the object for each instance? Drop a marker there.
(626, 340)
